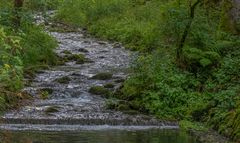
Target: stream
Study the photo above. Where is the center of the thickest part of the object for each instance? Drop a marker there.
(71, 114)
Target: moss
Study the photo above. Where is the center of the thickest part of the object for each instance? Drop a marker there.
(52, 109)
(63, 80)
(99, 90)
(103, 76)
(109, 85)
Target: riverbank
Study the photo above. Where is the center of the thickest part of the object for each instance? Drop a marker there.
(203, 89)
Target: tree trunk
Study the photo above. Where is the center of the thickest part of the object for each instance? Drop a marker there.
(235, 15)
(179, 57)
(18, 4)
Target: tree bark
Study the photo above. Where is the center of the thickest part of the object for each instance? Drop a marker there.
(18, 4)
(186, 32)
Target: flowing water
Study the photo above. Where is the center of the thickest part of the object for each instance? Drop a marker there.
(71, 114)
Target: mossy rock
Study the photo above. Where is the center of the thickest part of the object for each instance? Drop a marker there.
(103, 76)
(52, 109)
(63, 80)
(79, 58)
(60, 60)
(99, 90)
(66, 52)
(48, 90)
(109, 85)
(44, 95)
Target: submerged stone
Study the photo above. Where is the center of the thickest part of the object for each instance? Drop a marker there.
(103, 76)
(83, 50)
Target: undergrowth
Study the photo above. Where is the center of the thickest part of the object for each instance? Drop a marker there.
(23, 50)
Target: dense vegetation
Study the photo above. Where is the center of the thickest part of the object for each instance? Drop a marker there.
(24, 48)
(189, 59)
(189, 62)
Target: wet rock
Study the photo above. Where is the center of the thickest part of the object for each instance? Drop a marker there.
(52, 109)
(117, 45)
(87, 42)
(101, 57)
(109, 85)
(119, 80)
(209, 136)
(102, 42)
(83, 50)
(63, 80)
(99, 90)
(103, 76)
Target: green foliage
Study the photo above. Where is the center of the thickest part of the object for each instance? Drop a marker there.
(207, 90)
(42, 5)
(10, 62)
(115, 20)
(184, 124)
(22, 51)
(38, 48)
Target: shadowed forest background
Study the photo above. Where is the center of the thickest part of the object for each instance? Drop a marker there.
(188, 64)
